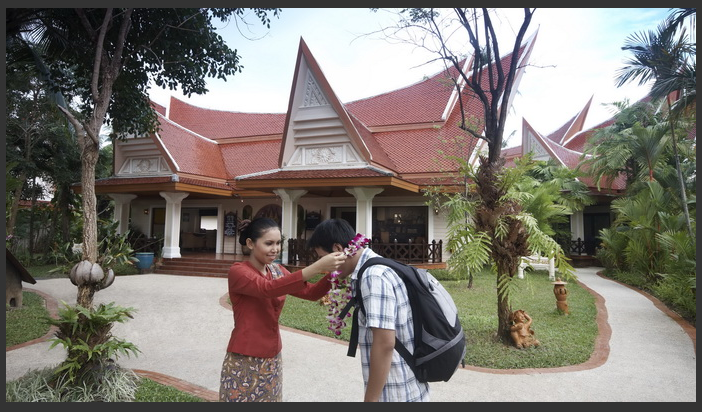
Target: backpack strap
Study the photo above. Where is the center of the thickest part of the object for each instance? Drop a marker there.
(357, 301)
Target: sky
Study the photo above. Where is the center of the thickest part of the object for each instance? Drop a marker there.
(575, 58)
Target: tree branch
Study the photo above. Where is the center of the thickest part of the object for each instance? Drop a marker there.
(80, 130)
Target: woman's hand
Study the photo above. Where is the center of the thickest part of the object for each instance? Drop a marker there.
(327, 263)
(330, 262)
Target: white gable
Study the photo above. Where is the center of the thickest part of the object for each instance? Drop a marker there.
(316, 136)
(139, 157)
(531, 144)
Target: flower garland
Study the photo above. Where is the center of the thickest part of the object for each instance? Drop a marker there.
(340, 292)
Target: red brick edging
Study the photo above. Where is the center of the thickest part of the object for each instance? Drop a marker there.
(181, 385)
(684, 324)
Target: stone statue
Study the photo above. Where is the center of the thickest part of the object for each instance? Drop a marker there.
(522, 335)
(561, 293)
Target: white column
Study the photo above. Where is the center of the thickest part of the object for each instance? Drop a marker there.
(289, 218)
(172, 230)
(364, 207)
(121, 214)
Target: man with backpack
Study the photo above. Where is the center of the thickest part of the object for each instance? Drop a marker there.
(387, 315)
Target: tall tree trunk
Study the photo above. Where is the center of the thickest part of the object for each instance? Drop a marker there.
(14, 207)
(33, 204)
(683, 194)
(89, 159)
(506, 250)
(63, 212)
(27, 138)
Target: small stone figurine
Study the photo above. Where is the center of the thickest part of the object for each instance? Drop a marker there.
(561, 293)
(522, 335)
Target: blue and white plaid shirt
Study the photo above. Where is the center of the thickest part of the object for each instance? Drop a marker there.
(387, 307)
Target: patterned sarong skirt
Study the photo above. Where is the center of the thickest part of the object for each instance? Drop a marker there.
(251, 379)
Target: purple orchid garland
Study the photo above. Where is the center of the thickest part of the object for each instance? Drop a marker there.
(340, 292)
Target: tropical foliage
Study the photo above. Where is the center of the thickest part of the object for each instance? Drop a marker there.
(652, 242)
(538, 187)
(85, 334)
(103, 60)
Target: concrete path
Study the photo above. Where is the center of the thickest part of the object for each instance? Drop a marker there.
(182, 327)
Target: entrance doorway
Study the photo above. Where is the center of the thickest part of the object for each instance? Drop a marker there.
(158, 222)
(346, 213)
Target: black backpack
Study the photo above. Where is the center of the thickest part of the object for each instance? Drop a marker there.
(439, 341)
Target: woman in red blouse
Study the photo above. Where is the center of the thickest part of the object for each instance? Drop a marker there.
(252, 367)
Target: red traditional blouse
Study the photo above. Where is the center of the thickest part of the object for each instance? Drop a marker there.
(257, 302)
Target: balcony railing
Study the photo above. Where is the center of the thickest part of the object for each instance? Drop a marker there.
(579, 247)
(410, 252)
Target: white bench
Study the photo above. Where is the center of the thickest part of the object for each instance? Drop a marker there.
(537, 262)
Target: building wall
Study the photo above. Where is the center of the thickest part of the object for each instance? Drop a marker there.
(436, 224)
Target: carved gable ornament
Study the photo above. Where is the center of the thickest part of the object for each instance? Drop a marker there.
(313, 94)
(139, 166)
(539, 152)
(331, 155)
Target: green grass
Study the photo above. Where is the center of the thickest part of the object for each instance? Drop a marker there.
(565, 339)
(26, 323)
(42, 272)
(151, 391)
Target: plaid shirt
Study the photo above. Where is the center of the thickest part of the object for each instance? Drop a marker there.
(387, 307)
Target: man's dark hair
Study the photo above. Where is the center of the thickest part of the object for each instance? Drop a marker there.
(329, 232)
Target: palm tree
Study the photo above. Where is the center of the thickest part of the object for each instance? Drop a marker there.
(669, 60)
(637, 152)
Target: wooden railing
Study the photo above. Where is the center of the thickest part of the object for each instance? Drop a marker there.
(410, 252)
(579, 246)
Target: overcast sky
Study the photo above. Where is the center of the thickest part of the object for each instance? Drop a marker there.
(576, 56)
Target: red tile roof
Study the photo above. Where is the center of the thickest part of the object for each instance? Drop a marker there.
(159, 108)
(413, 138)
(221, 124)
(580, 140)
(250, 157)
(421, 102)
(378, 154)
(191, 153)
(566, 146)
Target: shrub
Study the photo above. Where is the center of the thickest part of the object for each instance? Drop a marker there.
(85, 334)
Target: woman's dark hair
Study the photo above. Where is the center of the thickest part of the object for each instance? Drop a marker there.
(256, 229)
(329, 232)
